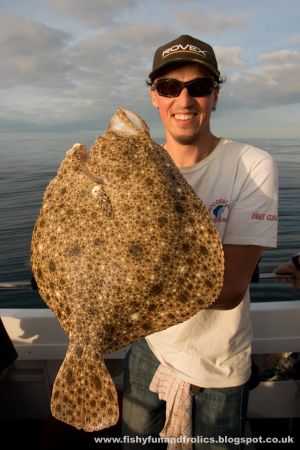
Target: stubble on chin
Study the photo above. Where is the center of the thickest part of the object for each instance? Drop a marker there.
(186, 140)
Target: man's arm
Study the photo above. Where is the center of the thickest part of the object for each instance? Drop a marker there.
(240, 262)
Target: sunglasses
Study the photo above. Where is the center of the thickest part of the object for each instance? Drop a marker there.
(170, 87)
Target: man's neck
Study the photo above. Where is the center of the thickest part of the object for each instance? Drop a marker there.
(188, 155)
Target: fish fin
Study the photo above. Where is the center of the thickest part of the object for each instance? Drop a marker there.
(77, 158)
(77, 153)
(84, 395)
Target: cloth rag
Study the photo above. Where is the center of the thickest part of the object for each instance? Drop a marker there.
(178, 397)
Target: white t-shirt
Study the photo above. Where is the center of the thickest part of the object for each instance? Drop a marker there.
(238, 184)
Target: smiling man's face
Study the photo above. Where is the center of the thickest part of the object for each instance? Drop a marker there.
(185, 118)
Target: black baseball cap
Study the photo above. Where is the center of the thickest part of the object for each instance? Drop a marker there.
(187, 49)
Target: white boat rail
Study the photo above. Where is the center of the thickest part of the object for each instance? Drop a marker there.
(37, 334)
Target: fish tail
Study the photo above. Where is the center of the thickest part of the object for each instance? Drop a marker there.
(84, 395)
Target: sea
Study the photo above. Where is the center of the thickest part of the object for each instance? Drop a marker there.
(29, 162)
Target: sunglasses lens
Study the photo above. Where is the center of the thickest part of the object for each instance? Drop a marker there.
(200, 87)
(169, 87)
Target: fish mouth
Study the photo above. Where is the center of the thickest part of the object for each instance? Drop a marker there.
(126, 121)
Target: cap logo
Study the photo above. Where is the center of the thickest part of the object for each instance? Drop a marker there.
(180, 48)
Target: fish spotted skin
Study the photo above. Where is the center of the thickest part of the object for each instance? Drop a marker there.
(122, 248)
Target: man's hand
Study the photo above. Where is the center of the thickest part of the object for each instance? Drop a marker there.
(288, 268)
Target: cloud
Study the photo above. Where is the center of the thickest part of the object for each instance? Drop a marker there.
(115, 64)
(216, 22)
(57, 82)
(93, 13)
(274, 82)
(33, 54)
(229, 58)
(91, 78)
(294, 39)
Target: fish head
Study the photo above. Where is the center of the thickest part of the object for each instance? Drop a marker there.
(127, 122)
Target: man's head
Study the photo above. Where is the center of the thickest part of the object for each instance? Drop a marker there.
(184, 50)
(184, 87)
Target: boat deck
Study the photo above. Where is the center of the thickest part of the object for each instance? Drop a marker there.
(26, 421)
(49, 434)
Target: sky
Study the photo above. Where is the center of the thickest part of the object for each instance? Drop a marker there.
(66, 65)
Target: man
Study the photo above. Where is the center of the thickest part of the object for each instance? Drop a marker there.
(211, 352)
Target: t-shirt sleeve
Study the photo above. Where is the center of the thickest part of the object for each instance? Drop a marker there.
(253, 213)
